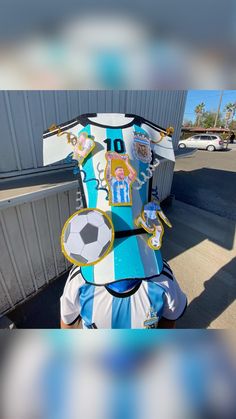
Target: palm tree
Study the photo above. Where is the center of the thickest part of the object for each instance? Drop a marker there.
(230, 109)
(199, 111)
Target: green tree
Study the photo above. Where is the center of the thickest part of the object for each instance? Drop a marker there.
(199, 109)
(208, 119)
(229, 109)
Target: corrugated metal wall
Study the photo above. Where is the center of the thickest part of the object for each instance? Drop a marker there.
(24, 115)
(30, 254)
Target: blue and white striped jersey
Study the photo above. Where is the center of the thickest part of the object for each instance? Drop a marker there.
(98, 307)
(130, 257)
(120, 190)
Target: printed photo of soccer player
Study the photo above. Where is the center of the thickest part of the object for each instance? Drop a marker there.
(119, 175)
(149, 219)
(83, 146)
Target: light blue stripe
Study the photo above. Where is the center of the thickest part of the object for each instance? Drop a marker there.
(122, 394)
(156, 297)
(88, 273)
(122, 193)
(121, 313)
(159, 260)
(121, 216)
(114, 191)
(86, 296)
(141, 130)
(127, 259)
(55, 395)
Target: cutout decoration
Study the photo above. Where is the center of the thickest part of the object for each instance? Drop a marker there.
(141, 147)
(82, 145)
(119, 175)
(87, 237)
(150, 221)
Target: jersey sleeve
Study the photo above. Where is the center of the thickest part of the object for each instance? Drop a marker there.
(162, 146)
(57, 148)
(69, 302)
(175, 301)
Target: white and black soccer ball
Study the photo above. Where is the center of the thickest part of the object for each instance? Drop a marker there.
(87, 237)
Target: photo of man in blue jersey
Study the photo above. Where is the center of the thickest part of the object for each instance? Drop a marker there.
(119, 183)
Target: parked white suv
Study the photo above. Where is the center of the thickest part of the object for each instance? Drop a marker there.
(210, 142)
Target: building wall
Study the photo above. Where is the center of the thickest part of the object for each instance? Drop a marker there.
(24, 115)
(30, 255)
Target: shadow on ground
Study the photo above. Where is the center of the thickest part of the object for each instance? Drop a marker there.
(42, 311)
(209, 189)
(219, 293)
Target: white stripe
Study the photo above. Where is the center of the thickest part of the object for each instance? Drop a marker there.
(69, 301)
(99, 160)
(140, 305)
(116, 189)
(128, 139)
(137, 204)
(102, 308)
(104, 270)
(147, 256)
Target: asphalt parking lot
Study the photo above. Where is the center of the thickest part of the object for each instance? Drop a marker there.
(207, 180)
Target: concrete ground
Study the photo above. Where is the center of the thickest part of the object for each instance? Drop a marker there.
(208, 181)
(201, 247)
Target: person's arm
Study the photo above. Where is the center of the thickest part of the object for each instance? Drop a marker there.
(175, 301)
(132, 173)
(74, 325)
(69, 301)
(108, 167)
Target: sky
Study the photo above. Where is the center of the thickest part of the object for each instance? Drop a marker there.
(210, 98)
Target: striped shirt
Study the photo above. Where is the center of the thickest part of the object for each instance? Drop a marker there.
(98, 307)
(130, 257)
(120, 190)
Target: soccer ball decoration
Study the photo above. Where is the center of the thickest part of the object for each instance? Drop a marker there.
(87, 237)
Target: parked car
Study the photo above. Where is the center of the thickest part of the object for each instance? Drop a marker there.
(210, 142)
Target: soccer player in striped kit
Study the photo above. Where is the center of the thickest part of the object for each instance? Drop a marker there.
(120, 184)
